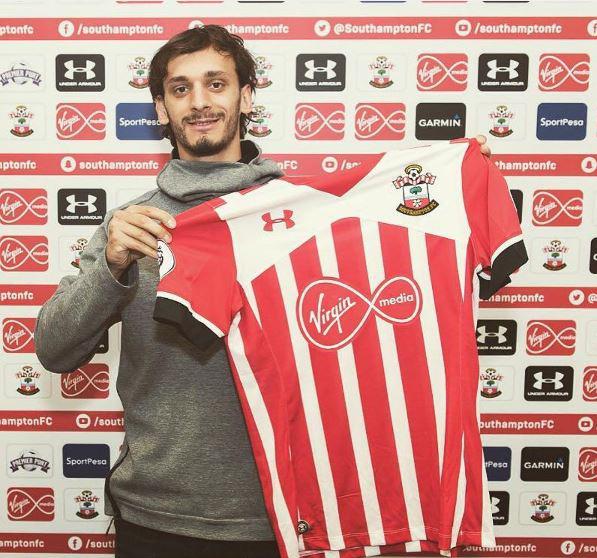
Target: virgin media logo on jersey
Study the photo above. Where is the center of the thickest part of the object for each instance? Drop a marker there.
(23, 207)
(589, 383)
(557, 208)
(23, 253)
(331, 313)
(587, 465)
(551, 337)
(380, 121)
(319, 121)
(564, 72)
(90, 381)
(30, 504)
(81, 121)
(442, 72)
(17, 335)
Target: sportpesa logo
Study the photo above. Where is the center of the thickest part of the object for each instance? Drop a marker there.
(137, 121)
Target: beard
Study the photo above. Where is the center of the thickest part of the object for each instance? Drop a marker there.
(205, 146)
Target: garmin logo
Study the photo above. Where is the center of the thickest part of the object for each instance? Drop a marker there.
(436, 122)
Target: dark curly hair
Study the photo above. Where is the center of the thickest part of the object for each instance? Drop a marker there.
(200, 38)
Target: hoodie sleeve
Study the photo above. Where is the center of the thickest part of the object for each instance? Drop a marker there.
(72, 322)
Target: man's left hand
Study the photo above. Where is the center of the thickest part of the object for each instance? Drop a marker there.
(485, 149)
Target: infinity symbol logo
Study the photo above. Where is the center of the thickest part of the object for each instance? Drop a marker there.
(87, 379)
(370, 121)
(13, 206)
(331, 313)
(311, 121)
(541, 337)
(551, 206)
(554, 72)
(432, 72)
(17, 336)
(72, 121)
(32, 504)
(14, 253)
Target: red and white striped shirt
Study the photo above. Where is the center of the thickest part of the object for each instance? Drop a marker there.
(348, 308)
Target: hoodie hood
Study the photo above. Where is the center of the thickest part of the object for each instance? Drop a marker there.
(198, 180)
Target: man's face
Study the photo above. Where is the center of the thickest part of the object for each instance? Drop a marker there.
(202, 102)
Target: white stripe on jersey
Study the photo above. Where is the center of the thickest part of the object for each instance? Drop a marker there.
(266, 434)
(309, 400)
(461, 249)
(354, 405)
(460, 497)
(396, 400)
(431, 337)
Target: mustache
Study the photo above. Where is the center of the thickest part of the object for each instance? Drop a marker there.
(192, 118)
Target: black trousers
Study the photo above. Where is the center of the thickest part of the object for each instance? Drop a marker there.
(134, 541)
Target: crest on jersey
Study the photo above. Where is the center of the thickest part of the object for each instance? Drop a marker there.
(414, 186)
(166, 259)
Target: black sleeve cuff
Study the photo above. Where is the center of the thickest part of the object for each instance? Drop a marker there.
(506, 263)
(171, 312)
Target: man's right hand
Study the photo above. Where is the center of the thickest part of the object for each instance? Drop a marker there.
(133, 233)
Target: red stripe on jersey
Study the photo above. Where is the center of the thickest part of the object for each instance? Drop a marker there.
(326, 371)
(274, 321)
(473, 449)
(352, 269)
(415, 380)
(443, 269)
(261, 364)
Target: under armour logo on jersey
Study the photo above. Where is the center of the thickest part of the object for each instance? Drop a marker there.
(557, 384)
(270, 220)
(494, 69)
(484, 334)
(312, 69)
(591, 506)
(73, 203)
(71, 70)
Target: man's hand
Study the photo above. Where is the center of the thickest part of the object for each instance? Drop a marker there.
(133, 233)
(485, 149)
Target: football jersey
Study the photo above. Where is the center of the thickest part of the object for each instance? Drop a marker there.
(348, 307)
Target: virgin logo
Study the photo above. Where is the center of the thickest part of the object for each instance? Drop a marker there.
(551, 337)
(91, 381)
(331, 313)
(30, 504)
(587, 464)
(562, 208)
(17, 335)
(589, 384)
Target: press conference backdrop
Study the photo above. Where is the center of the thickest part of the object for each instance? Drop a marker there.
(337, 81)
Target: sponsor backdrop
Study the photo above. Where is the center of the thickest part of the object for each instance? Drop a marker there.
(337, 81)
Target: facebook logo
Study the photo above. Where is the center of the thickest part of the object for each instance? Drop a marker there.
(562, 121)
(85, 461)
(137, 121)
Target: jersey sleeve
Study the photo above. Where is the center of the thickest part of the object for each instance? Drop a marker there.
(495, 231)
(198, 290)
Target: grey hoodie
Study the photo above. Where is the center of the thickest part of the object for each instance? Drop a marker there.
(186, 466)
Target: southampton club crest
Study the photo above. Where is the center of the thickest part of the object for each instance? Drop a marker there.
(554, 253)
(87, 502)
(166, 260)
(415, 191)
(542, 506)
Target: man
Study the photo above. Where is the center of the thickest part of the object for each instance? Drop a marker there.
(185, 483)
